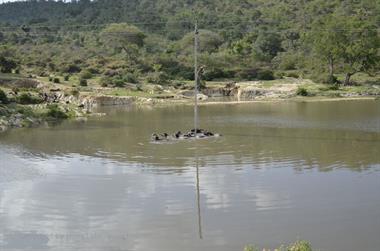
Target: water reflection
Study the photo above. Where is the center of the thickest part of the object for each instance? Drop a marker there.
(103, 186)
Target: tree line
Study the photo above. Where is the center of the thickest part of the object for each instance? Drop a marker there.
(124, 41)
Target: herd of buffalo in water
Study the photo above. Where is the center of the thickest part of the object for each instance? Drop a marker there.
(192, 134)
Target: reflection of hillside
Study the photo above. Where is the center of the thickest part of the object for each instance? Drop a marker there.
(323, 136)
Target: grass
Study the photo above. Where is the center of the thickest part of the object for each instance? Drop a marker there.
(296, 246)
(122, 92)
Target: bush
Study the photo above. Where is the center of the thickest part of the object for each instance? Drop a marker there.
(66, 78)
(300, 246)
(105, 81)
(82, 82)
(74, 92)
(265, 75)
(246, 74)
(55, 113)
(56, 80)
(86, 74)
(292, 75)
(159, 78)
(331, 79)
(26, 83)
(324, 78)
(50, 79)
(27, 99)
(3, 97)
(118, 82)
(131, 78)
(72, 68)
(301, 91)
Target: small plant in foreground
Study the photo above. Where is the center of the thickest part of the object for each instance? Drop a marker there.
(301, 91)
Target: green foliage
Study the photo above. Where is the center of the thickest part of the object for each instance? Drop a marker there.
(265, 74)
(297, 246)
(83, 82)
(28, 99)
(66, 78)
(86, 74)
(301, 91)
(311, 37)
(56, 80)
(3, 97)
(131, 78)
(250, 248)
(75, 92)
(267, 45)
(118, 82)
(300, 246)
(54, 112)
(7, 65)
(209, 41)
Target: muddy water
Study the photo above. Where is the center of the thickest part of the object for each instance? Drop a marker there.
(281, 172)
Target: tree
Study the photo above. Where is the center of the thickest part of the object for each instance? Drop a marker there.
(352, 41)
(7, 65)
(209, 41)
(124, 36)
(267, 45)
(326, 38)
(361, 46)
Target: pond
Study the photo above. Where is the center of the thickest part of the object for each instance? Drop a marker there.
(282, 171)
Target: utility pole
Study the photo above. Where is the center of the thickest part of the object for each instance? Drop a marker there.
(196, 77)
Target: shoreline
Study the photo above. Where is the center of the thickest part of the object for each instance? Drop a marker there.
(74, 103)
(294, 99)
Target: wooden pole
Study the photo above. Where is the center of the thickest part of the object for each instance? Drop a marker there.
(196, 77)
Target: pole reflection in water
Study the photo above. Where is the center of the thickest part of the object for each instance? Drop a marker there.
(198, 193)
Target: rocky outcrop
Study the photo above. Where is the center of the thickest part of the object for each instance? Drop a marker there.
(18, 120)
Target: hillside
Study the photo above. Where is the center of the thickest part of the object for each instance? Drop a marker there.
(118, 42)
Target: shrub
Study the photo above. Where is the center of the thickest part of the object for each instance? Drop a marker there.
(66, 78)
(217, 74)
(105, 81)
(26, 83)
(265, 75)
(56, 80)
(131, 78)
(86, 74)
(50, 79)
(55, 113)
(331, 79)
(82, 82)
(324, 78)
(3, 97)
(27, 99)
(72, 68)
(246, 74)
(300, 246)
(159, 78)
(334, 87)
(118, 82)
(301, 91)
(292, 75)
(74, 92)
